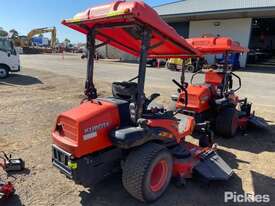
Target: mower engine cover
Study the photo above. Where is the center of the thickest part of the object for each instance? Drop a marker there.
(85, 129)
(198, 98)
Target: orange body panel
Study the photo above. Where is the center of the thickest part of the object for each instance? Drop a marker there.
(183, 168)
(85, 129)
(135, 13)
(214, 78)
(174, 127)
(216, 45)
(198, 98)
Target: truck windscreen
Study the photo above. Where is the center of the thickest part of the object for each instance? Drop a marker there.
(5, 45)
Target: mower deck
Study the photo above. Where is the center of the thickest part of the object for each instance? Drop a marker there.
(188, 159)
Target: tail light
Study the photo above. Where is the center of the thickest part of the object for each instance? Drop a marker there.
(67, 128)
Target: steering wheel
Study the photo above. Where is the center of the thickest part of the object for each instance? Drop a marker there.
(182, 88)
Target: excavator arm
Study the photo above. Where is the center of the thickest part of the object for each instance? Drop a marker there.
(42, 31)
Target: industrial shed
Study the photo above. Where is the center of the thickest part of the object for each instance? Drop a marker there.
(250, 22)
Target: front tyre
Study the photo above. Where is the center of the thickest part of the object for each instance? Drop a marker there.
(147, 172)
(4, 72)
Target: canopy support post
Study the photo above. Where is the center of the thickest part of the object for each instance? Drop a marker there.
(145, 44)
(90, 90)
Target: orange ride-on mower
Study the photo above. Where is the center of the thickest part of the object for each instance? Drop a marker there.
(126, 131)
(215, 100)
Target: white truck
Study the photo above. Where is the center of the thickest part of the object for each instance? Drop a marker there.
(9, 58)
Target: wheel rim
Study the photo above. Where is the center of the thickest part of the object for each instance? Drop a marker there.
(159, 175)
(3, 72)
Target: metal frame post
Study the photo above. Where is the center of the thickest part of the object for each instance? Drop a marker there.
(90, 90)
(145, 44)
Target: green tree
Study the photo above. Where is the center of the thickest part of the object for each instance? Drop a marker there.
(3, 33)
(67, 42)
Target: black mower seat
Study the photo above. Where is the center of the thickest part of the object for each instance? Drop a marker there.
(127, 137)
(124, 90)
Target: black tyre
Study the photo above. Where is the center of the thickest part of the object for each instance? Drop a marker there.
(227, 122)
(171, 66)
(147, 172)
(4, 72)
(190, 68)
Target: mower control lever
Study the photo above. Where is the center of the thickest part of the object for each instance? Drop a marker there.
(134, 78)
(239, 79)
(183, 88)
(178, 84)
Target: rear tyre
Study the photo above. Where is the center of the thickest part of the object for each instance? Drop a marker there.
(147, 172)
(227, 122)
(4, 72)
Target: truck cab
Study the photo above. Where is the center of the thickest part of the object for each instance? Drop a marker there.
(9, 58)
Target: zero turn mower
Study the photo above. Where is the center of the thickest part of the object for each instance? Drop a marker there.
(215, 99)
(127, 131)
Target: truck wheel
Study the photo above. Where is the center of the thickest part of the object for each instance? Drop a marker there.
(171, 66)
(227, 122)
(147, 172)
(190, 68)
(4, 72)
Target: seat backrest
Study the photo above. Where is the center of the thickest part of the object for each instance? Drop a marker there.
(125, 90)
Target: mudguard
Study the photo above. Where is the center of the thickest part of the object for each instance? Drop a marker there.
(212, 167)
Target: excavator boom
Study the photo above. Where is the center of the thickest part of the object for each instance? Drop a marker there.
(42, 31)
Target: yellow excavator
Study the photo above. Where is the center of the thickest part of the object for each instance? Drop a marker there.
(26, 41)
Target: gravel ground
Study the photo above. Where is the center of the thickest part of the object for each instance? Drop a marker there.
(29, 104)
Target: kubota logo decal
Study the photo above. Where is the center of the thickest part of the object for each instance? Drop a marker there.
(91, 132)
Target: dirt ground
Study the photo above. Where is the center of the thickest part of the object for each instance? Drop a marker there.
(29, 104)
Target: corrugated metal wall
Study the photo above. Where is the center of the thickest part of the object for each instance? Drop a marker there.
(197, 6)
(238, 29)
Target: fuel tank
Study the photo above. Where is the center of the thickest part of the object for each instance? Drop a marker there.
(198, 98)
(85, 129)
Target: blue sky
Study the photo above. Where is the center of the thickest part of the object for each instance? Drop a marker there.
(24, 15)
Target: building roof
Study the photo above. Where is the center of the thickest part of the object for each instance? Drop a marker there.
(202, 7)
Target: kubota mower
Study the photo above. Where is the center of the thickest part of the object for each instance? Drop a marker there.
(127, 131)
(215, 100)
